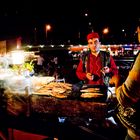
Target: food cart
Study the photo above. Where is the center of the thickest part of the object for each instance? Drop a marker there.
(36, 103)
(41, 99)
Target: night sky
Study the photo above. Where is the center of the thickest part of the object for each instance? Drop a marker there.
(28, 18)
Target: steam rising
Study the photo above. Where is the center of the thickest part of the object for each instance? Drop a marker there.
(18, 82)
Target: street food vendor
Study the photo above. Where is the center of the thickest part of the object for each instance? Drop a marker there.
(96, 66)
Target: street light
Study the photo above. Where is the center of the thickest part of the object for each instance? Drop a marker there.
(47, 28)
(105, 30)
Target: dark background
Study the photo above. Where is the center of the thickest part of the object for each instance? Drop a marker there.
(27, 18)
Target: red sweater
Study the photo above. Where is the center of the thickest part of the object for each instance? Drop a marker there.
(94, 67)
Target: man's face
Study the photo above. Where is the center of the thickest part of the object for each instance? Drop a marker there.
(94, 45)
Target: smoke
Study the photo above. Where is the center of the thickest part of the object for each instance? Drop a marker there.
(19, 83)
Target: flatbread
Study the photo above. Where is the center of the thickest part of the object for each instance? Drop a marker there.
(91, 95)
(59, 95)
(90, 90)
(43, 92)
(59, 90)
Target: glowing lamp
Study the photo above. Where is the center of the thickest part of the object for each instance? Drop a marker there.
(17, 57)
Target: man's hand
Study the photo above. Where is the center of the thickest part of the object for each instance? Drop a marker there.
(93, 77)
(106, 70)
(89, 76)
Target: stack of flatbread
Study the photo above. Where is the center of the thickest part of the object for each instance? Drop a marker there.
(38, 82)
(91, 93)
(55, 89)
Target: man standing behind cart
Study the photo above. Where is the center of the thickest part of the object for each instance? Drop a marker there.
(96, 67)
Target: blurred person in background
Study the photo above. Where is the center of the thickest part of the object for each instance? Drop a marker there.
(40, 61)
